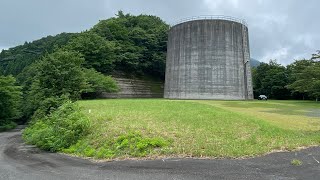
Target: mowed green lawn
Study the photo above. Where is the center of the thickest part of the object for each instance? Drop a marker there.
(153, 128)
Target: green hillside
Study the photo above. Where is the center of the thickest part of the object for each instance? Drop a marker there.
(125, 43)
(14, 60)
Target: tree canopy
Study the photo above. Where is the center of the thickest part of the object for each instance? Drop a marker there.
(298, 80)
(58, 77)
(97, 52)
(306, 77)
(133, 45)
(271, 79)
(140, 42)
(14, 60)
(10, 97)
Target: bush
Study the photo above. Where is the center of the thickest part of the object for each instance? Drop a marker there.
(98, 82)
(132, 144)
(135, 144)
(49, 105)
(60, 129)
(54, 78)
(58, 77)
(7, 125)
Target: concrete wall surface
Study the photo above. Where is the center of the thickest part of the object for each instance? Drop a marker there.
(208, 59)
(132, 87)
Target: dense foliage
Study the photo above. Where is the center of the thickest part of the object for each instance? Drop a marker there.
(57, 80)
(270, 79)
(55, 71)
(306, 78)
(298, 80)
(14, 60)
(134, 45)
(97, 52)
(10, 97)
(97, 82)
(60, 129)
(69, 66)
(140, 42)
(58, 77)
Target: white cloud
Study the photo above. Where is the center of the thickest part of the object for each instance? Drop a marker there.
(214, 4)
(269, 22)
(308, 40)
(278, 54)
(285, 29)
(3, 48)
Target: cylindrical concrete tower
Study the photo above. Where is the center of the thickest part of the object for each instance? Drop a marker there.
(208, 58)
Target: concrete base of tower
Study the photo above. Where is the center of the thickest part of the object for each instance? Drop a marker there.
(197, 96)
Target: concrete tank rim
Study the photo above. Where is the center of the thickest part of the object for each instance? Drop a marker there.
(210, 18)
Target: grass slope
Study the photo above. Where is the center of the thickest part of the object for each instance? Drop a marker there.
(123, 128)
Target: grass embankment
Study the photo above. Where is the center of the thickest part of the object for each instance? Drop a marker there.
(157, 127)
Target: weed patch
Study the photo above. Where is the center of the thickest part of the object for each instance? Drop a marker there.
(296, 162)
(58, 130)
(131, 144)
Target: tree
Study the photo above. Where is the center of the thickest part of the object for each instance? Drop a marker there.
(141, 43)
(271, 79)
(97, 52)
(316, 55)
(295, 70)
(10, 99)
(306, 75)
(98, 82)
(58, 77)
(15, 59)
(126, 44)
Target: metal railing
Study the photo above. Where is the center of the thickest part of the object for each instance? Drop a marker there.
(211, 17)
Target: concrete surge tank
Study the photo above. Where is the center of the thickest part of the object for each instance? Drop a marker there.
(208, 58)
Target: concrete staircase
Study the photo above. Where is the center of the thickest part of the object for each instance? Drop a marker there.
(136, 88)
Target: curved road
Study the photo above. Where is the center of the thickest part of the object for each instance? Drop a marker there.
(20, 161)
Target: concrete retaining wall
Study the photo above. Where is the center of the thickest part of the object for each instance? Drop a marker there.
(136, 88)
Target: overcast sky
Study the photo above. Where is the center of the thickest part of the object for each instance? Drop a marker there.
(278, 29)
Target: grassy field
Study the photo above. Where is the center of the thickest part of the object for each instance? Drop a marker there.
(152, 128)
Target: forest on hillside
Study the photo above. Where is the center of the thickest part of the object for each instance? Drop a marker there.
(126, 43)
(36, 78)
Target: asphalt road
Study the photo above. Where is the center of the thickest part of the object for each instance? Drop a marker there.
(20, 161)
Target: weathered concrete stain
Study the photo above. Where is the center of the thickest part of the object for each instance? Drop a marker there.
(132, 87)
(208, 59)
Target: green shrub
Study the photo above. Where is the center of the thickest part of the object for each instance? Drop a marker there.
(48, 105)
(54, 78)
(7, 125)
(60, 129)
(134, 144)
(131, 144)
(10, 99)
(296, 162)
(97, 82)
